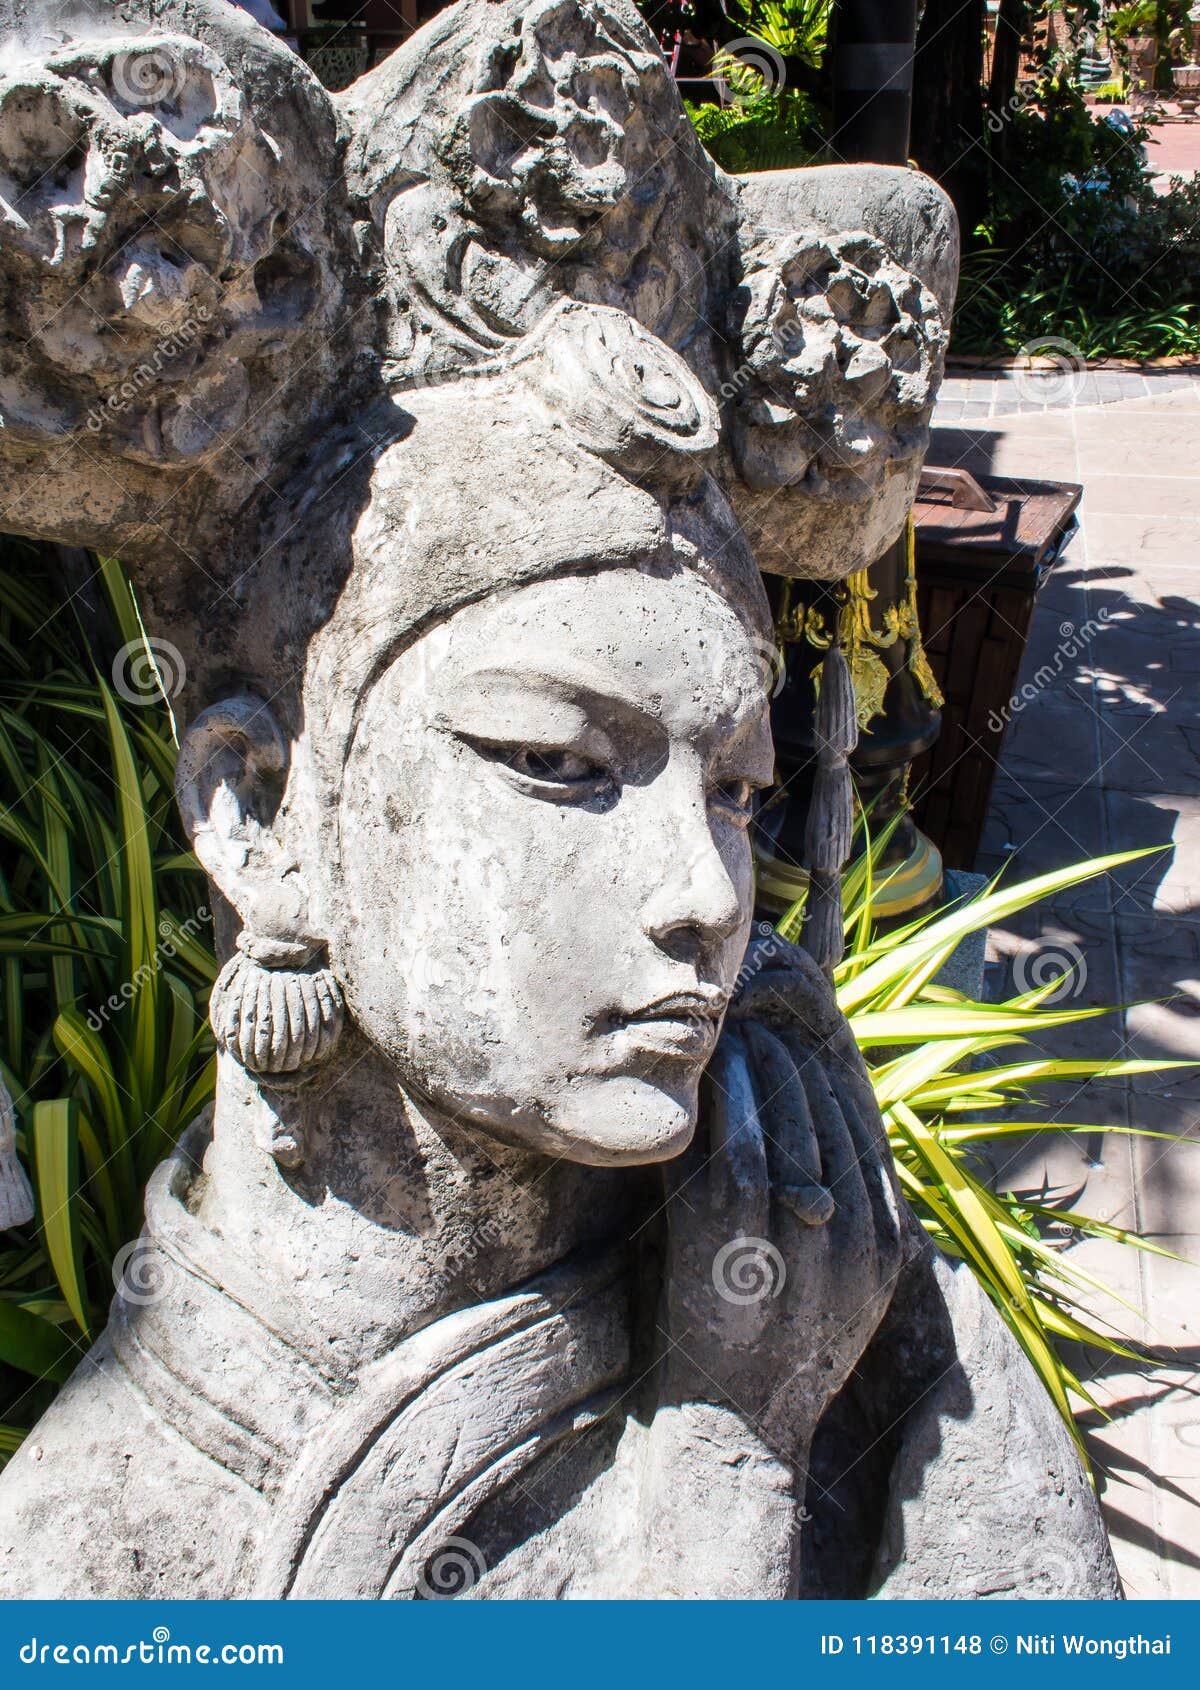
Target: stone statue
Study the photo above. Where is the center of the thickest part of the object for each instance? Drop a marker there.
(543, 1239)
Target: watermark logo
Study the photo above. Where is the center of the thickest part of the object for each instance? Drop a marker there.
(1049, 1569)
(747, 69)
(771, 661)
(142, 1274)
(148, 76)
(147, 671)
(748, 1270)
(1061, 965)
(1049, 371)
(452, 1570)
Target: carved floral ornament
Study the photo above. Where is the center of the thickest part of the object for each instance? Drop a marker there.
(446, 424)
(190, 220)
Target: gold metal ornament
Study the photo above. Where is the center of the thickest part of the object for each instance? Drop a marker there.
(861, 641)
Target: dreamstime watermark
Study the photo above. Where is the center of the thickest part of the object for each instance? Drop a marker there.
(748, 1270)
(148, 76)
(453, 1569)
(1049, 1567)
(149, 371)
(787, 339)
(1061, 965)
(1019, 101)
(1066, 1232)
(767, 946)
(458, 1263)
(1060, 1233)
(771, 662)
(170, 934)
(1073, 642)
(157, 1650)
(1049, 370)
(746, 70)
(147, 671)
(142, 1274)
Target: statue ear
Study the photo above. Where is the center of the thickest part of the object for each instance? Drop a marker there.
(276, 1007)
(230, 777)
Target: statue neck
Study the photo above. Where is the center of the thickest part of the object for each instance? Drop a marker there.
(397, 1215)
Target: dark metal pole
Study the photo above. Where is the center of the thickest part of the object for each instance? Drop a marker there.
(872, 80)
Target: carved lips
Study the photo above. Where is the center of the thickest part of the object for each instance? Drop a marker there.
(684, 1025)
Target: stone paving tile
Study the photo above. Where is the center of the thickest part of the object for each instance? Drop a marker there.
(989, 451)
(1136, 495)
(1169, 881)
(1131, 1489)
(1177, 394)
(1106, 756)
(1141, 654)
(1167, 1177)
(1037, 825)
(1160, 961)
(1066, 587)
(1141, 749)
(1179, 1532)
(1164, 548)
(1123, 588)
(1010, 392)
(1055, 731)
(1130, 1507)
(1061, 651)
(1114, 443)
(1087, 1171)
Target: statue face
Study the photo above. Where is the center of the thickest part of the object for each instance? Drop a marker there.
(545, 858)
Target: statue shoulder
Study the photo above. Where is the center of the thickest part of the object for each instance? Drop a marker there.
(105, 1500)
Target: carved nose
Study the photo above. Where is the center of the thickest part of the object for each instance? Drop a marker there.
(695, 896)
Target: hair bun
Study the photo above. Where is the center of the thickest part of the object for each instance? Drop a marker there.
(622, 394)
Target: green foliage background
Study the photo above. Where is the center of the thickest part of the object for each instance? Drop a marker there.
(106, 964)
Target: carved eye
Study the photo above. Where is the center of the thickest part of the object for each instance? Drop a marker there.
(552, 771)
(561, 768)
(735, 800)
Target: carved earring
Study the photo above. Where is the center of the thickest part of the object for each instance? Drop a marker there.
(275, 1007)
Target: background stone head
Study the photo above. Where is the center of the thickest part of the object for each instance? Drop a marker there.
(512, 153)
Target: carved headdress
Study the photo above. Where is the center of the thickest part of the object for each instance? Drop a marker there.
(214, 269)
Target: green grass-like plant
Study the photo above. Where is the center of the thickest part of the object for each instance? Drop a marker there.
(105, 968)
(941, 1064)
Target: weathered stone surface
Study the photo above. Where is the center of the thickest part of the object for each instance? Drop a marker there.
(220, 258)
(905, 211)
(543, 1239)
(179, 293)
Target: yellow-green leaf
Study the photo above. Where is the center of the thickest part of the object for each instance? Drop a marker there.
(56, 1159)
